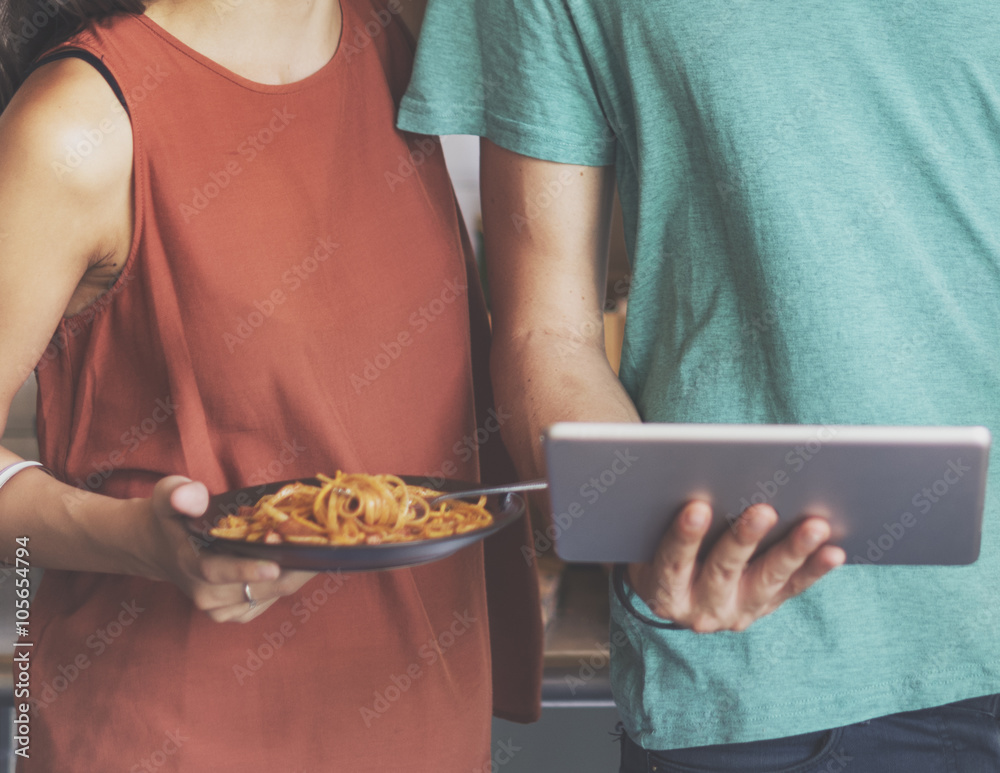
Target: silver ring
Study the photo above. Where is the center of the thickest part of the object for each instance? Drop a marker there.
(246, 594)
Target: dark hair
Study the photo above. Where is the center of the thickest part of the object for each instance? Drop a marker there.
(29, 28)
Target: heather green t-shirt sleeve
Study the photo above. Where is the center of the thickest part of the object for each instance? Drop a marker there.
(515, 73)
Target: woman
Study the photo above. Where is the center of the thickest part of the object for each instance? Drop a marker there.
(212, 257)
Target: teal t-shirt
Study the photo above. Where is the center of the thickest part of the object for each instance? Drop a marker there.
(811, 194)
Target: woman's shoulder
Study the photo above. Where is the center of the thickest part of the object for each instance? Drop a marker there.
(66, 158)
(65, 119)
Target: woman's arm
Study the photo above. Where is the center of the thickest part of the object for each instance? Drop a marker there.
(546, 228)
(65, 231)
(56, 222)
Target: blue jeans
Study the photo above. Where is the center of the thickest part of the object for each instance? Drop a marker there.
(961, 737)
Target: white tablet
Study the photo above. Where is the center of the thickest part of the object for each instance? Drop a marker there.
(893, 495)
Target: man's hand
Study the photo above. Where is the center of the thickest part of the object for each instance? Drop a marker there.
(727, 591)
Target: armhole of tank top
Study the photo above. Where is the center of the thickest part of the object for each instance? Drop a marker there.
(89, 58)
(103, 301)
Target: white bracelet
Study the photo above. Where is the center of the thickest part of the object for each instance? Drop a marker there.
(10, 471)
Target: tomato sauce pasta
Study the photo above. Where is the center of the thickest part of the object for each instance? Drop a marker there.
(352, 509)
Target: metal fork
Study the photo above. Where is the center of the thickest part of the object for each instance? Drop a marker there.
(511, 488)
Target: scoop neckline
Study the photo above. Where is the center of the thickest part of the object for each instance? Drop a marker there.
(267, 88)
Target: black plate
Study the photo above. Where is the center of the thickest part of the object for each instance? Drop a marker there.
(352, 558)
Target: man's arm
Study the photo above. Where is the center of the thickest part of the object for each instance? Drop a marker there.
(546, 227)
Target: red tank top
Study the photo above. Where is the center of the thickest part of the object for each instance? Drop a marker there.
(296, 300)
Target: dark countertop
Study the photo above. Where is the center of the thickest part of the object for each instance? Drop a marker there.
(577, 641)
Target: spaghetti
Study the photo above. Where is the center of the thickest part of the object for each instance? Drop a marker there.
(352, 509)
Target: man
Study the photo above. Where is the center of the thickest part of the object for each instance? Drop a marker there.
(812, 212)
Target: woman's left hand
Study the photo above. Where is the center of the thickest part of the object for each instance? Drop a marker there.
(227, 588)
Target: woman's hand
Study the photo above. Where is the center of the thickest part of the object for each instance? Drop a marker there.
(727, 591)
(215, 583)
